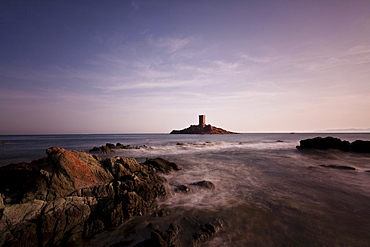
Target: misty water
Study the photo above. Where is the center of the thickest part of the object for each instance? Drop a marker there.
(267, 193)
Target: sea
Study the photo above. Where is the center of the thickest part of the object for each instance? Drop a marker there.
(267, 192)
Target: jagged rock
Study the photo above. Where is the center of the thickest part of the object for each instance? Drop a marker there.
(360, 146)
(162, 165)
(324, 143)
(71, 195)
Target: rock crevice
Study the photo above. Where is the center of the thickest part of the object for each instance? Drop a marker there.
(71, 195)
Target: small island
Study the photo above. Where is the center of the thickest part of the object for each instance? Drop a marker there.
(202, 128)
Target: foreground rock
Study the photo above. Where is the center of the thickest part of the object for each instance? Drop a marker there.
(335, 143)
(71, 195)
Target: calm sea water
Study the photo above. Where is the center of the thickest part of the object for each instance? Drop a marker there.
(267, 193)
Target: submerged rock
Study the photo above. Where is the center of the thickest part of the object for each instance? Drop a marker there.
(205, 184)
(71, 195)
(339, 167)
(183, 188)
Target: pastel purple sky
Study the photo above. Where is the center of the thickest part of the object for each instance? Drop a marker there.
(153, 66)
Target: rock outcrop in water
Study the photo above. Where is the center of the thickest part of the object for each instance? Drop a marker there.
(358, 146)
(107, 148)
(196, 129)
(202, 128)
(71, 195)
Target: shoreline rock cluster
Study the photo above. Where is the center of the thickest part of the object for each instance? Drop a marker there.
(108, 147)
(358, 146)
(71, 195)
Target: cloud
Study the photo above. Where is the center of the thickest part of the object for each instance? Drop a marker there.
(257, 59)
(165, 83)
(170, 44)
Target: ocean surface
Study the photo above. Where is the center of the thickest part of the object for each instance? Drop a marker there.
(267, 192)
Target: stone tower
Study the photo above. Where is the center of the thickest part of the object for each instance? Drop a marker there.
(202, 120)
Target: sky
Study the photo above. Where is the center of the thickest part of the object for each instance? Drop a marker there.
(71, 67)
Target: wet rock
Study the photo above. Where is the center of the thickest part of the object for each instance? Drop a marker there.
(71, 195)
(324, 143)
(162, 165)
(95, 149)
(205, 184)
(183, 232)
(339, 167)
(110, 147)
(206, 230)
(183, 188)
(162, 238)
(360, 146)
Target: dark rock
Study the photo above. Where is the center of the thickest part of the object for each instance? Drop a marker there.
(110, 145)
(162, 165)
(183, 232)
(206, 230)
(3, 143)
(95, 149)
(339, 167)
(324, 143)
(205, 184)
(357, 146)
(71, 195)
(162, 238)
(183, 188)
(360, 146)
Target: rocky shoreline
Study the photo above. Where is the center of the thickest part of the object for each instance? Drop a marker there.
(70, 196)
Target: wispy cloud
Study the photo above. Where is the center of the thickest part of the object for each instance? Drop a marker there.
(171, 44)
(257, 59)
(166, 83)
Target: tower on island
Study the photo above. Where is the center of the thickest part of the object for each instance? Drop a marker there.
(202, 128)
(202, 120)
